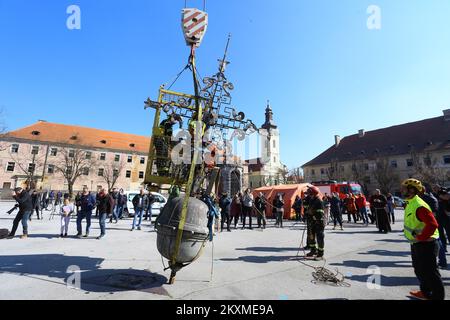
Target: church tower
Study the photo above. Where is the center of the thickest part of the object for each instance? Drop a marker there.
(271, 147)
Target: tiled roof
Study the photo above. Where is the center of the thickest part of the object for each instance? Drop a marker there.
(421, 136)
(80, 136)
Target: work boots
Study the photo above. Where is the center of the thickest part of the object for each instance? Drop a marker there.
(312, 254)
(320, 255)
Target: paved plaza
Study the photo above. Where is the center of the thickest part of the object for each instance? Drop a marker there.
(247, 264)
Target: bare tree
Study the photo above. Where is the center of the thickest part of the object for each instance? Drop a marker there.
(333, 172)
(360, 171)
(384, 174)
(428, 169)
(112, 171)
(296, 176)
(28, 162)
(72, 163)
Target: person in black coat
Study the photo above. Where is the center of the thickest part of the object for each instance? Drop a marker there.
(105, 205)
(36, 203)
(225, 205)
(25, 205)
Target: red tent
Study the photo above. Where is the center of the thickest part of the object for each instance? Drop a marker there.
(289, 192)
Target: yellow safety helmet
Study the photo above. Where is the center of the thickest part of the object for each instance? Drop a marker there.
(413, 183)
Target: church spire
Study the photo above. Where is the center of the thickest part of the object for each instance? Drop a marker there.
(269, 124)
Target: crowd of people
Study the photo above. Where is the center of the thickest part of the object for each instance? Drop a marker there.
(85, 204)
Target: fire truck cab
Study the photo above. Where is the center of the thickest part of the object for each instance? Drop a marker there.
(342, 188)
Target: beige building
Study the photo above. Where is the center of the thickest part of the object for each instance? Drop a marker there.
(383, 158)
(43, 151)
(267, 170)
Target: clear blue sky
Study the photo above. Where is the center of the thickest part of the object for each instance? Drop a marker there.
(323, 70)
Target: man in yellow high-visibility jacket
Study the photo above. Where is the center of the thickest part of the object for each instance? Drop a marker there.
(421, 230)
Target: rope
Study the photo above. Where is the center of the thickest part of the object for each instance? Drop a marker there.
(178, 76)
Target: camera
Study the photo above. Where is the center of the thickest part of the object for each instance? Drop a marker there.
(13, 209)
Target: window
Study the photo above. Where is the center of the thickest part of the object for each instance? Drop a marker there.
(409, 162)
(274, 144)
(142, 160)
(103, 156)
(88, 155)
(72, 153)
(35, 150)
(51, 169)
(275, 159)
(11, 166)
(141, 174)
(6, 185)
(101, 172)
(427, 161)
(130, 159)
(322, 171)
(69, 171)
(128, 174)
(117, 158)
(53, 152)
(447, 159)
(116, 173)
(15, 148)
(31, 167)
(342, 168)
(394, 164)
(85, 171)
(251, 184)
(313, 172)
(366, 166)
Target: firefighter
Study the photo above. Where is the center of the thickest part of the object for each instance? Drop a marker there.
(163, 142)
(315, 216)
(421, 230)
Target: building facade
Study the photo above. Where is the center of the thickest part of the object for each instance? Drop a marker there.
(385, 157)
(43, 151)
(267, 170)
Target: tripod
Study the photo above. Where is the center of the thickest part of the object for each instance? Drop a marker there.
(55, 211)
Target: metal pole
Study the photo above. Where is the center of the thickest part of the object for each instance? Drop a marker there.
(193, 165)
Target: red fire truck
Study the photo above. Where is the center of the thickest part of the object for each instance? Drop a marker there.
(342, 188)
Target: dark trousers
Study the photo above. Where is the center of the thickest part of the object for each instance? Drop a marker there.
(444, 227)
(424, 256)
(351, 214)
(337, 217)
(309, 233)
(37, 213)
(261, 218)
(225, 218)
(279, 216)
(317, 235)
(298, 215)
(247, 211)
(102, 223)
(20, 217)
(84, 215)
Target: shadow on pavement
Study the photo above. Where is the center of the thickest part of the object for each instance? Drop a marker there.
(393, 281)
(260, 259)
(267, 249)
(387, 253)
(380, 264)
(92, 279)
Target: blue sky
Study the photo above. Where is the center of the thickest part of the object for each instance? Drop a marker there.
(323, 70)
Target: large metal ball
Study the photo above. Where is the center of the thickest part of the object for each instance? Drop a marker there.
(195, 231)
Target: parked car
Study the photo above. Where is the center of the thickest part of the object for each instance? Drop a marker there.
(399, 202)
(160, 202)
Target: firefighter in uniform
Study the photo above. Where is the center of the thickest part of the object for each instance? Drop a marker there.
(421, 230)
(315, 216)
(163, 143)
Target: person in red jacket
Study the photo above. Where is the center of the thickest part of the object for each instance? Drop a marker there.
(361, 203)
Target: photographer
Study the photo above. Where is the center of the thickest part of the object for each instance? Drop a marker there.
(25, 205)
(442, 216)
